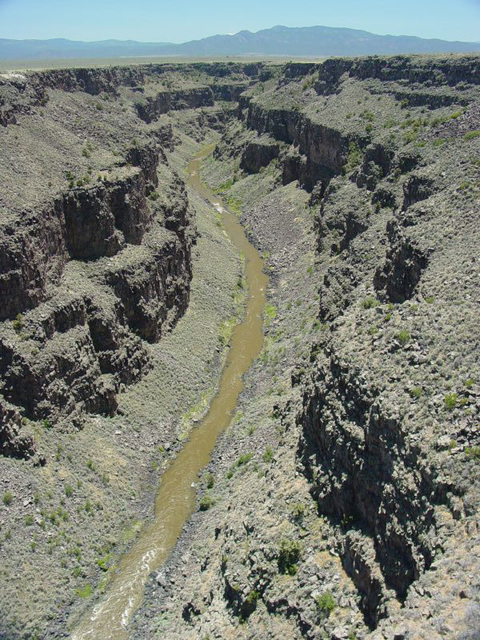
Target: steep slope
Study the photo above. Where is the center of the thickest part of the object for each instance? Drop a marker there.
(366, 396)
(92, 256)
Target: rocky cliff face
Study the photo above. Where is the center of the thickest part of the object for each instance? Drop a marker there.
(367, 470)
(108, 220)
(376, 483)
(88, 273)
(151, 107)
(320, 148)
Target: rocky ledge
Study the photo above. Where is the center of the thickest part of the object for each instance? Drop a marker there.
(91, 266)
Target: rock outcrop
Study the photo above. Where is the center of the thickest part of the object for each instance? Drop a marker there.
(110, 238)
(323, 148)
(14, 442)
(258, 155)
(149, 108)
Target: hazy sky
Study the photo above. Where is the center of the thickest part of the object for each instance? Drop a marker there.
(182, 20)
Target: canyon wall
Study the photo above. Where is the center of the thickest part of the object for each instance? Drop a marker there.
(377, 413)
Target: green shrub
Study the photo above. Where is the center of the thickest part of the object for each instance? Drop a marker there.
(469, 383)
(410, 136)
(471, 135)
(18, 323)
(268, 455)
(248, 605)
(104, 562)
(29, 520)
(370, 302)
(451, 400)
(252, 597)
(68, 491)
(289, 554)
(325, 603)
(234, 204)
(417, 392)
(209, 480)
(240, 462)
(225, 186)
(403, 337)
(298, 511)
(85, 592)
(7, 498)
(354, 157)
(472, 453)
(270, 314)
(244, 459)
(206, 502)
(368, 115)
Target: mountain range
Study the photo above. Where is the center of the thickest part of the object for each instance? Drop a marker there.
(277, 41)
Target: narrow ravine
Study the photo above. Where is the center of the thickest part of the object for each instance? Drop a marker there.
(176, 495)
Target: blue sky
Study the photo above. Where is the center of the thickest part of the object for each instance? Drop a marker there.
(182, 20)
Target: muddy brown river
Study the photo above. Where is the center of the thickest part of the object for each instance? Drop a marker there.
(175, 500)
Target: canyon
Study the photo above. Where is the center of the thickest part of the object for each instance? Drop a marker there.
(342, 500)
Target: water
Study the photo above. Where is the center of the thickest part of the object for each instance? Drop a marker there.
(175, 499)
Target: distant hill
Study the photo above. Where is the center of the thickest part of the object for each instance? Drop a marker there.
(316, 41)
(278, 41)
(61, 48)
